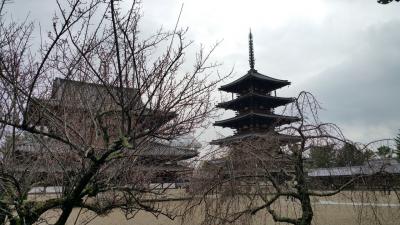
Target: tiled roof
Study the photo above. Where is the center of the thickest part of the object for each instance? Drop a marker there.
(271, 101)
(255, 75)
(162, 150)
(369, 168)
(279, 119)
(250, 136)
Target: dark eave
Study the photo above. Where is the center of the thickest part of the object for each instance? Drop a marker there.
(164, 168)
(247, 118)
(161, 151)
(239, 138)
(252, 75)
(251, 98)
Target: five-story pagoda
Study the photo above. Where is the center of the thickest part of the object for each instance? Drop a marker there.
(254, 106)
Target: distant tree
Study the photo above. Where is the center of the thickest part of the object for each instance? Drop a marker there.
(397, 142)
(385, 152)
(3, 216)
(10, 141)
(322, 156)
(368, 154)
(387, 1)
(349, 155)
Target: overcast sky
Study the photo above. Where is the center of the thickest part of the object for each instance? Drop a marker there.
(346, 52)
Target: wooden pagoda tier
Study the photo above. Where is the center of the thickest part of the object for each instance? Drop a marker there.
(253, 120)
(255, 101)
(254, 81)
(280, 139)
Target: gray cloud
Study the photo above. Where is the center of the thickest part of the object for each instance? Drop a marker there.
(362, 93)
(348, 60)
(345, 52)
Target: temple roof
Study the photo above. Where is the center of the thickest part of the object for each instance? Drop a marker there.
(164, 168)
(158, 150)
(266, 101)
(92, 95)
(238, 138)
(81, 97)
(374, 166)
(253, 77)
(247, 119)
(151, 149)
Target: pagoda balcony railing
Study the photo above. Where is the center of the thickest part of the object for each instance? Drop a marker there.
(252, 110)
(252, 91)
(251, 130)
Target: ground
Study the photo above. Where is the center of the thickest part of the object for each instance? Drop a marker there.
(347, 208)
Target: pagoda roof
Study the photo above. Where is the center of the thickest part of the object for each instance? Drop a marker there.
(261, 117)
(267, 101)
(253, 76)
(281, 138)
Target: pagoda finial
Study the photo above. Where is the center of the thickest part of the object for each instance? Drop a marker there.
(251, 51)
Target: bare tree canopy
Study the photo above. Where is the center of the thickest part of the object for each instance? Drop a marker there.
(266, 174)
(92, 114)
(386, 1)
(90, 110)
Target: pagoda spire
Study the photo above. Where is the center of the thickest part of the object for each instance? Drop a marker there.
(251, 51)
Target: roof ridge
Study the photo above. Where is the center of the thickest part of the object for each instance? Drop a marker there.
(89, 83)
